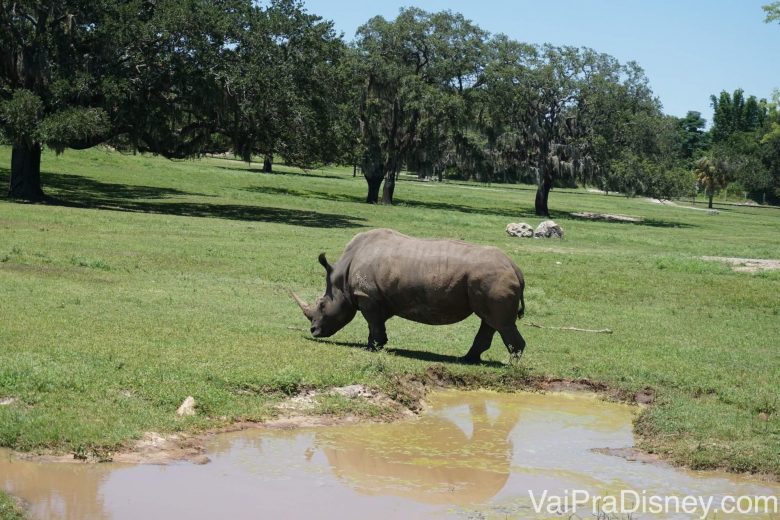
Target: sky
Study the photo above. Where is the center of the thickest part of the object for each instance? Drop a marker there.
(689, 49)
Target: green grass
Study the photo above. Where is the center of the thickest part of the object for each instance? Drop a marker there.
(156, 280)
(8, 509)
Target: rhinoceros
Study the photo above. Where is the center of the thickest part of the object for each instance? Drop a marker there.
(383, 273)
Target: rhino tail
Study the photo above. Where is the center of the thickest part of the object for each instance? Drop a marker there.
(521, 279)
(521, 311)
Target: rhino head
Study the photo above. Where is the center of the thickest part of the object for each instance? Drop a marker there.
(330, 312)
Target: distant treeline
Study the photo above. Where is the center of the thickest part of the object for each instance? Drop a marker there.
(432, 93)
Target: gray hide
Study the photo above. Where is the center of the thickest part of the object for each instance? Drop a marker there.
(383, 273)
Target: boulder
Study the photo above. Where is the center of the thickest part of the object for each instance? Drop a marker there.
(187, 407)
(519, 229)
(548, 229)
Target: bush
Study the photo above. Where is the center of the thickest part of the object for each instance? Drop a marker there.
(634, 175)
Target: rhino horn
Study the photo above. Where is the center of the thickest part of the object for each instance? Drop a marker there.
(302, 304)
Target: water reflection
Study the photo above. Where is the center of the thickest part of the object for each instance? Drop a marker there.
(453, 455)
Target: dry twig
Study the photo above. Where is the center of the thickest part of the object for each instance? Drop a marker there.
(575, 329)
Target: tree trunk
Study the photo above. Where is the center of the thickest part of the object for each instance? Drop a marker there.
(354, 169)
(26, 173)
(710, 195)
(544, 184)
(268, 161)
(373, 189)
(372, 171)
(389, 189)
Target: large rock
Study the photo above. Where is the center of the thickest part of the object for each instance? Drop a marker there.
(187, 408)
(548, 229)
(519, 229)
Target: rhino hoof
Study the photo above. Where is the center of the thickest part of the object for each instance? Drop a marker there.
(514, 357)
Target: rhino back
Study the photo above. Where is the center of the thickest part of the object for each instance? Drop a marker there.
(429, 281)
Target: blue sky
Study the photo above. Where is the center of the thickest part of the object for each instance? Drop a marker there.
(688, 48)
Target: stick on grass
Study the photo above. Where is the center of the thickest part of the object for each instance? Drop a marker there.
(575, 329)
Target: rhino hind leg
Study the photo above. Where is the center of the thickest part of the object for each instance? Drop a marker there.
(514, 342)
(482, 342)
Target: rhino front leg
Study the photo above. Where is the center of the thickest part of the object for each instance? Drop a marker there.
(377, 335)
(482, 342)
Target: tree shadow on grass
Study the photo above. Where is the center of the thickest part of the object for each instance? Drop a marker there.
(276, 172)
(399, 201)
(513, 213)
(83, 192)
(651, 222)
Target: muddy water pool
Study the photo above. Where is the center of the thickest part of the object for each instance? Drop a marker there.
(469, 455)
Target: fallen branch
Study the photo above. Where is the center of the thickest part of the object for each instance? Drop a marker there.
(575, 329)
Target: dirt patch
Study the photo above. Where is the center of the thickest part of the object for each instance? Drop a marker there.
(155, 448)
(5, 401)
(570, 385)
(308, 400)
(746, 265)
(667, 202)
(606, 216)
(645, 396)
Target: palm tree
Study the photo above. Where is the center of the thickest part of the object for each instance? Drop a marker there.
(711, 174)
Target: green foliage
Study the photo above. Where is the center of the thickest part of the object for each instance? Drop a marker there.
(569, 114)
(632, 174)
(752, 175)
(414, 76)
(745, 136)
(694, 139)
(177, 78)
(629, 174)
(20, 116)
(74, 127)
(283, 88)
(772, 11)
(733, 114)
(712, 173)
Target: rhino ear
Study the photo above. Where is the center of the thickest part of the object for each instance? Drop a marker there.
(328, 271)
(325, 264)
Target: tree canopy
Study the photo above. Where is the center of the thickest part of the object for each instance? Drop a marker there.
(176, 77)
(415, 73)
(430, 92)
(772, 11)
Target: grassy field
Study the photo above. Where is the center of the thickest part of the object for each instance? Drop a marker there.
(155, 280)
(9, 510)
